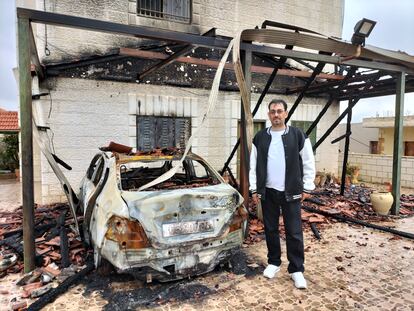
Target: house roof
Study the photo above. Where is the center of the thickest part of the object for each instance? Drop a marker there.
(9, 121)
(383, 122)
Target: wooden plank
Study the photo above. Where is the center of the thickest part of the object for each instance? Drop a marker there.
(214, 64)
(25, 90)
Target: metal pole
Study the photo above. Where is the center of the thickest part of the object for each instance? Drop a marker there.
(244, 152)
(342, 84)
(398, 135)
(348, 131)
(352, 103)
(256, 108)
(317, 71)
(25, 89)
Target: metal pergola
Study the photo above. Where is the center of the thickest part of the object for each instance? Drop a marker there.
(391, 73)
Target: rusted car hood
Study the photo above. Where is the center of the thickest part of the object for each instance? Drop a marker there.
(157, 209)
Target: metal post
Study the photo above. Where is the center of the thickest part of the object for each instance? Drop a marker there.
(256, 108)
(348, 131)
(317, 71)
(342, 84)
(244, 152)
(25, 89)
(398, 135)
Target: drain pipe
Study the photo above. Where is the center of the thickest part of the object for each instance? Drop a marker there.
(359, 222)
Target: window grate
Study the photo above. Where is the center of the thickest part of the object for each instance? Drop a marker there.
(174, 10)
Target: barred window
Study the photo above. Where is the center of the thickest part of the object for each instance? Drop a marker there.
(162, 132)
(174, 10)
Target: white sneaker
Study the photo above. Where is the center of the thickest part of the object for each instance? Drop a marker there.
(270, 271)
(299, 280)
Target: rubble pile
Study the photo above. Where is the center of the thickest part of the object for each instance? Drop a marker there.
(354, 204)
(59, 254)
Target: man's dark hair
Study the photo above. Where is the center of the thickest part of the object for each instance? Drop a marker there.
(277, 101)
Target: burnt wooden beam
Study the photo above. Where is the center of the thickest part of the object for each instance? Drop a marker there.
(346, 151)
(343, 114)
(214, 64)
(331, 99)
(181, 52)
(327, 86)
(25, 92)
(317, 71)
(246, 61)
(49, 18)
(269, 82)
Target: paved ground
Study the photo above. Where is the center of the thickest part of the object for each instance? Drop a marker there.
(10, 194)
(351, 268)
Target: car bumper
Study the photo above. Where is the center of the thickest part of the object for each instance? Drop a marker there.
(172, 263)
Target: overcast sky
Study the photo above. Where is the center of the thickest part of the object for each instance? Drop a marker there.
(394, 30)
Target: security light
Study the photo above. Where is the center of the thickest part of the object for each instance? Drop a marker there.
(362, 30)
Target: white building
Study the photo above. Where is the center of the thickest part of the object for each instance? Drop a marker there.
(91, 104)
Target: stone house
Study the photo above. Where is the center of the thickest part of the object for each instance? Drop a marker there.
(384, 144)
(92, 95)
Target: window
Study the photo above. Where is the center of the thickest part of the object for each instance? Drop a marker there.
(174, 10)
(304, 125)
(409, 148)
(373, 147)
(162, 132)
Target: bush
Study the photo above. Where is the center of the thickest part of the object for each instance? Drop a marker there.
(9, 152)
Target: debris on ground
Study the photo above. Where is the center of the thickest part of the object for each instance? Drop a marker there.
(355, 204)
(57, 270)
(50, 222)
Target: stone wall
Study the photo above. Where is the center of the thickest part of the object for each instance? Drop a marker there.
(228, 17)
(87, 114)
(378, 168)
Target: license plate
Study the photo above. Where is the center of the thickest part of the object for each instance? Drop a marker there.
(187, 227)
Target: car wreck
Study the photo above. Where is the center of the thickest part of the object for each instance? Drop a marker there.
(183, 226)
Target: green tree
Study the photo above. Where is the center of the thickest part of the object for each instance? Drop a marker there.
(9, 153)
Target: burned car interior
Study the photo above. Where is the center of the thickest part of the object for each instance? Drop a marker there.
(191, 174)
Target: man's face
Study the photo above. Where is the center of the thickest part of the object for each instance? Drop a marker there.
(277, 115)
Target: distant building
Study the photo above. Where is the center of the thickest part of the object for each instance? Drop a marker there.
(362, 140)
(385, 140)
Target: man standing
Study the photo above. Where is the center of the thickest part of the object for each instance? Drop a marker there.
(282, 171)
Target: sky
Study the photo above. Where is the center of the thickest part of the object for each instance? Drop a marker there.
(394, 30)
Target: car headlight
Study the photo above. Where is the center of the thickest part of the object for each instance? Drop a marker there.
(128, 233)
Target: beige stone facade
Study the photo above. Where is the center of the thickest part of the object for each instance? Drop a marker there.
(85, 114)
(228, 17)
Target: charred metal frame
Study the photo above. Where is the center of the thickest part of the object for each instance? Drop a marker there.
(27, 50)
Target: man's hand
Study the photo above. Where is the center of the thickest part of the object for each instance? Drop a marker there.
(255, 198)
(305, 196)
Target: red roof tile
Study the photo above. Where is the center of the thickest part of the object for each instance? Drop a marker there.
(9, 121)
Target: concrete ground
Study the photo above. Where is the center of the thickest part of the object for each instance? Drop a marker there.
(10, 194)
(350, 268)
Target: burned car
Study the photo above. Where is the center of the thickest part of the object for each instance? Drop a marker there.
(183, 226)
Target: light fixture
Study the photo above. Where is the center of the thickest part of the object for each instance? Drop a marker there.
(362, 30)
